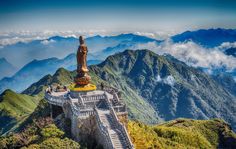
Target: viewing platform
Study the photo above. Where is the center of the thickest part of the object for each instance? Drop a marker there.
(103, 106)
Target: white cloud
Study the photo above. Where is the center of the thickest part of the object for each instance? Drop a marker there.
(159, 35)
(167, 80)
(46, 42)
(9, 38)
(226, 45)
(158, 78)
(152, 35)
(193, 54)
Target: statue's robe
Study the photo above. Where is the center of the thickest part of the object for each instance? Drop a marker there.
(82, 59)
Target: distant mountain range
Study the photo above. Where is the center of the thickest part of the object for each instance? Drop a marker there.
(99, 48)
(60, 47)
(207, 37)
(34, 71)
(6, 69)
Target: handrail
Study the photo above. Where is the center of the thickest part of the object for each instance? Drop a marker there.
(74, 109)
(122, 128)
(104, 130)
(95, 97)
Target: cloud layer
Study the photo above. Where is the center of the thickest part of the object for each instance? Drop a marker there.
(194, 54)
(9, 38)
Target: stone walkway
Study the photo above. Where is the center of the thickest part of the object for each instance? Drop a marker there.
(107, 120)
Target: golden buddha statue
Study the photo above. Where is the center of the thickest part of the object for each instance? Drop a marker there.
(82, 79)
(82, 56)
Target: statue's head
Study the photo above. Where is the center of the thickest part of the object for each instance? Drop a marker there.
(81, 39)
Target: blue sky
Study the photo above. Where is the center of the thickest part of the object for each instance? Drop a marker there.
(116, 15)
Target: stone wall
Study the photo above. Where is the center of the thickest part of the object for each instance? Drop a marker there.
(82, 129)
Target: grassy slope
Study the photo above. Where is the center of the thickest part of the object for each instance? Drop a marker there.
(15, 108)
(183, 133)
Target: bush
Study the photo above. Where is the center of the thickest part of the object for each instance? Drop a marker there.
(51, 131)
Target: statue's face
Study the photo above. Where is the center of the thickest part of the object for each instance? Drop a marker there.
(81, 40)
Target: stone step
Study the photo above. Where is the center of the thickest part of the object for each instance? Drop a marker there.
(116, 136)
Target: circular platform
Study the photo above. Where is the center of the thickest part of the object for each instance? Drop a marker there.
(89, 87)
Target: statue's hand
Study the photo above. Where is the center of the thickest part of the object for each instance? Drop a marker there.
(84, 50)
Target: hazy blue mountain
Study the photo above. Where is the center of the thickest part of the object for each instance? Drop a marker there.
(60, 47)
(36, 69)
(24, 53)
(125, 41)
(33, 71)
(230, 51)
(6, 69)
(207, 37)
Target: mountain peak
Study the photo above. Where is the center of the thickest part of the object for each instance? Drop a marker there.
(173, 88)
(7, 91)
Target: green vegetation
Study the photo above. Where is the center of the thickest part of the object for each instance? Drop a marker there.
(40, 134)
(183, 133)
(15, 108)
(17, 105)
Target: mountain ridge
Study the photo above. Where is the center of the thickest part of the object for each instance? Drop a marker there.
(157, 88)
(6, 68)
(177, 90)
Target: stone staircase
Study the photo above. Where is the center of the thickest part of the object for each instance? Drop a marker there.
(117, 138)
(101, 104)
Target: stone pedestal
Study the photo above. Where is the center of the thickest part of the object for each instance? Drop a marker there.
(82, 79)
